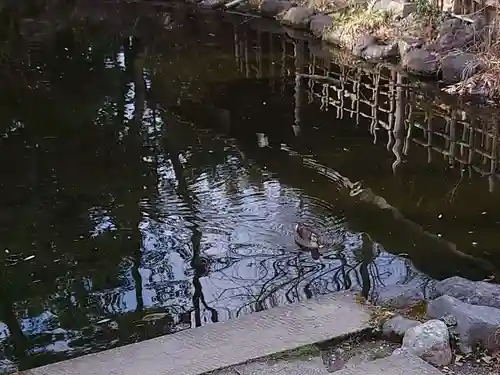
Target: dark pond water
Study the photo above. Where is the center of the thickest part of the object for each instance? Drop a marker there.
(141, 143)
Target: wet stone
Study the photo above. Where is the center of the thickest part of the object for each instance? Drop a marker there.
(406, 44)
(319, 23)
(370, 48)
(472, 292)
(272, 8)
(457, 67)
(420, 61)
(400, 296)
(476, 325)
(396, 327)
(211, 4)
(298, 18)
(380, 51)
(363, 43)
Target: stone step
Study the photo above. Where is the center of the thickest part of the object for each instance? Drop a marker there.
(392, 365)
(219, 345)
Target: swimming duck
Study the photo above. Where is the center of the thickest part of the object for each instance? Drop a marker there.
(306, 237)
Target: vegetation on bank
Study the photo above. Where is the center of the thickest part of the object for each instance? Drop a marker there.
(461, 51)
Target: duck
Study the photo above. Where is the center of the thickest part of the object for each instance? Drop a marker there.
(307, 238)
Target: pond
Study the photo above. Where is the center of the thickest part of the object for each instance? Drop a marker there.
(156, 160)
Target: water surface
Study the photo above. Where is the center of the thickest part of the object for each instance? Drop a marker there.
(141, 143)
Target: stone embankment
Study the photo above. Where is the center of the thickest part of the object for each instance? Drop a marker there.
(456, 313)
(453, 316)
(423, 40)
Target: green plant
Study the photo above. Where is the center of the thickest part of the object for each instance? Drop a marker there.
(426, 8)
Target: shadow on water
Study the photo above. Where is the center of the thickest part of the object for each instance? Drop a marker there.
(160, 159)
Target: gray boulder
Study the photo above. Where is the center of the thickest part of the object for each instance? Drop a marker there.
(421, 61)
(396, 327)
(429, 341)
(272, 8)
(400, 296)
(370, 48)
(362, 43)
(380, 51)
(457, 67)
(211, 4)
(298, 18)
(399, 9)
(406, 44)
(455, 34)
(475, 325)
(319, 23)
(472, 292)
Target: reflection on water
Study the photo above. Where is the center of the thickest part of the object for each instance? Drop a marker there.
(155, 183)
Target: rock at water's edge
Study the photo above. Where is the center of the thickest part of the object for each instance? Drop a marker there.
(472, 292)
(420, 61)
(380, 51)
(429, 341)
(475, 325)
(298, 18)
(396, 327)
(457, 67)
(319, 23)
(272, 8)
(406, 44)
(400, 296)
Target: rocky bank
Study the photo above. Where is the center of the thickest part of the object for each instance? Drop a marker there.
(422, 40)
(457, 314)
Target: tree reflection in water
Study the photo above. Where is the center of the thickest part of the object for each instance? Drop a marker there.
(119, 202)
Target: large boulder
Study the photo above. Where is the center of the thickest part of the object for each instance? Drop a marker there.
(456, 34)
(211, 4)
(298, 18)
(369, 47)
(380, 51)
(456, 67)
(319, 24)
(429, 341)
(399, 8)
(396, 327)
(272, 8)
(475, 325)
(472, 292)
(407, 44)
(421, 61)
(400, 296)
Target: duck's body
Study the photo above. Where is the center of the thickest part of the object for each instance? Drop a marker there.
(306, 237)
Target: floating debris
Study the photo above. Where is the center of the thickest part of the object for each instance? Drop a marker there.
(153, 317)
(103, 321)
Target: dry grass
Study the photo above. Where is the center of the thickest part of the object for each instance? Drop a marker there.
(351, 23)
(330, 6)
(487, 82)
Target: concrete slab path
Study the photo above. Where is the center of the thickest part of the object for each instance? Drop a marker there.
(214, 346)
(392, 365)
